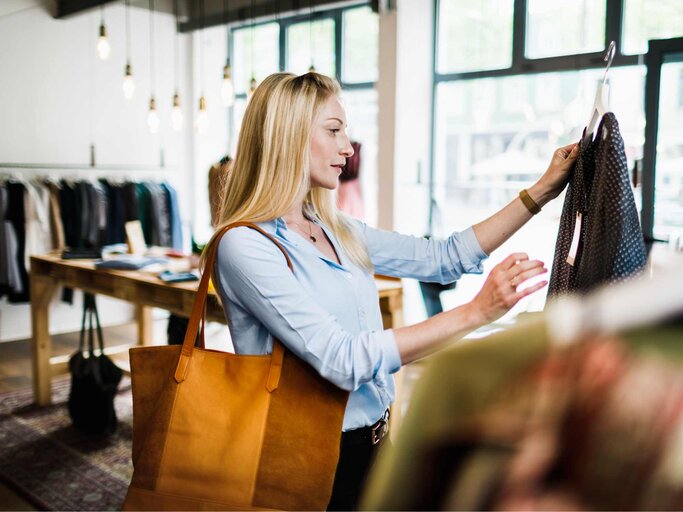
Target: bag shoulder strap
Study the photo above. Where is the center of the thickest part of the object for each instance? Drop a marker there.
(199, 309)
(90, 313)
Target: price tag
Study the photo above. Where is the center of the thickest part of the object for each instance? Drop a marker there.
(574, 247)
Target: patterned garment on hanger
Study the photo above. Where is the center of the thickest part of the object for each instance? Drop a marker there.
(610, 241)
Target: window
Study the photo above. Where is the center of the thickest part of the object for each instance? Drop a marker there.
(564, 28)
(298, 43)
(361, 114)
(474, 35)
(668, 214)
(361, 45)
(256, 51)
(311, 44)
(650, 19)
(488, 147)
(499, 113)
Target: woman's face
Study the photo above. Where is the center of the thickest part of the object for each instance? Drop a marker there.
(330, 145)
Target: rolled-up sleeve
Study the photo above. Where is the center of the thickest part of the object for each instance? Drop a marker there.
(442, 261)
(254, 275)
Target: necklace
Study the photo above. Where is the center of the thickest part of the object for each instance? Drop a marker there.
(310, 230)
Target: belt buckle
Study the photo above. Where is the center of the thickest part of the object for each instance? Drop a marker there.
(380, 429)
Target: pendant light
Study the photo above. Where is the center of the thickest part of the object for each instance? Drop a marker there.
(252, 80)
(202, 121)
(152, 115)
(227, 89)
(128, 83)
(202, 124)
(103, 46)
(176, 112)
(311, 68)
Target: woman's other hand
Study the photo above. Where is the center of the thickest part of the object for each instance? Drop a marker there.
(502, 289)
(554, 179)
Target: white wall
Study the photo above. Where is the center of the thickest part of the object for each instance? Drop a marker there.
(57, 97)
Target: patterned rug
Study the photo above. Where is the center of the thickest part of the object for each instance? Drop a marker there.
(54, 466)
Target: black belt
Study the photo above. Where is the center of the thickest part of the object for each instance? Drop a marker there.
(368, 435)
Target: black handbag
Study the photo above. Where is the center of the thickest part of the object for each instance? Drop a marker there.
(94, 379)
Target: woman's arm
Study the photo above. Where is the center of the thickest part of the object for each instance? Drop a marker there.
(498, 295)
(500, 226)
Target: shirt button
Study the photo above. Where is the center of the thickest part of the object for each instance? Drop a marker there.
(348, 276)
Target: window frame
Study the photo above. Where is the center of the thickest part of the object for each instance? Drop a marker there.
(522, 65)
(654, 59)
(336, 14)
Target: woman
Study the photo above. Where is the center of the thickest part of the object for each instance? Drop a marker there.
(292, 147)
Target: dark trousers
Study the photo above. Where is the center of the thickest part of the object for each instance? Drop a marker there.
(355, 461)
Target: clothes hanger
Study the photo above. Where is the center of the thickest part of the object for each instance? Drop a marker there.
(599, 108)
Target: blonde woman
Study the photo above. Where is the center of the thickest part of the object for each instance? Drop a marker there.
(293, 144)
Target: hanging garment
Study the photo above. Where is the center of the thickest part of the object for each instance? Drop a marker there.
(10, 277)
(174, 217)
(56, 226)
(146, 212)
(162, 217)
(131, 201)
(85, 213)
(37, 211)
(349, 194)
(116, 211)
(17, 216)
(101, 209)
(600, 216)
(69, 203)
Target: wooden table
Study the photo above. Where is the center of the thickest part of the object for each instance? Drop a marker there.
(145, 291)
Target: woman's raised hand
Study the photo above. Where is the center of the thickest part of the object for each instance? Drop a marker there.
(556, 176)
(502, 291)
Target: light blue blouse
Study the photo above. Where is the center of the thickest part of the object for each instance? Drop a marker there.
(328, 314)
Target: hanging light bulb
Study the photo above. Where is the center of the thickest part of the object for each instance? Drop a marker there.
(128, 83)
(202, 123)
(252, 87)
(152, 116)
(176, 114)
(227, 89)
(103, 46)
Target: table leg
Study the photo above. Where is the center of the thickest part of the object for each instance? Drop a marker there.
(42, 291)
(143, 316)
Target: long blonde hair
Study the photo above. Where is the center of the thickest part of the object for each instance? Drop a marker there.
(271, 169)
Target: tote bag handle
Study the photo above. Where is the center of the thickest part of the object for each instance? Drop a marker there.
(199, 310)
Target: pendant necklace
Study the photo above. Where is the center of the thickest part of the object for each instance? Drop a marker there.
(311, 237)
(310, 232)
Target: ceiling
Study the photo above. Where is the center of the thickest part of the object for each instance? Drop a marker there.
(214, 13)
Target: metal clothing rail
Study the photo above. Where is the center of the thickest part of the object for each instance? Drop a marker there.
(20, 172)
(83, 167)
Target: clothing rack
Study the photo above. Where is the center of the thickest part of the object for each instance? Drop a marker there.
(83, 172)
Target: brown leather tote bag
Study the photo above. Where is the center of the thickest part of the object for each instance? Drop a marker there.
(220, 431)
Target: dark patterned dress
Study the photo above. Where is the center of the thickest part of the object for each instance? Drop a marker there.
(610, 243)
